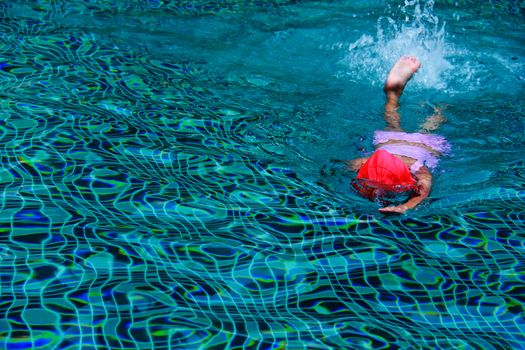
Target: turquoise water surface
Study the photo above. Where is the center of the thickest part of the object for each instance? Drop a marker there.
(169, 176)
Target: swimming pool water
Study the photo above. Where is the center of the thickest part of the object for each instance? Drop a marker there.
(168, 177)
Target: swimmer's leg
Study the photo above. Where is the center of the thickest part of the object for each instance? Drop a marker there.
(395, 83)
(434, 121)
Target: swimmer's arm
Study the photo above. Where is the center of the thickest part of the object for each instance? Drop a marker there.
(355, 164)
(424, 184)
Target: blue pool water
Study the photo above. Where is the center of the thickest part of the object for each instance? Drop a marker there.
(168, 177)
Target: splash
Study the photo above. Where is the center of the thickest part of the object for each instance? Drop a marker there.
(410, 29)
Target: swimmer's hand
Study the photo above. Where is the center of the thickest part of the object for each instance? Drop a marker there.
(398, 209)
(424, 184)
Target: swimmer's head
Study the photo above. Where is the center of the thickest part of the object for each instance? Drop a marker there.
(383, 174)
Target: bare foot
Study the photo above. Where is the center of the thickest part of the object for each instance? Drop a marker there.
(400, 74)
(434, 121)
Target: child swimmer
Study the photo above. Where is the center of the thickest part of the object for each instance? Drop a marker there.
(402, 162)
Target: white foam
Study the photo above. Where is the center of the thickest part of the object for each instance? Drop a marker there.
(420, 33)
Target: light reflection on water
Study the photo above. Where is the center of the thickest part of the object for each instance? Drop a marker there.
(163, 182)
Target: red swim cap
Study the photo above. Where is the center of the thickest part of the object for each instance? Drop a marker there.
(383, 171)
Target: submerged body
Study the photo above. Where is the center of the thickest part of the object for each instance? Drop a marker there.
(402, 161)
(424, 149)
